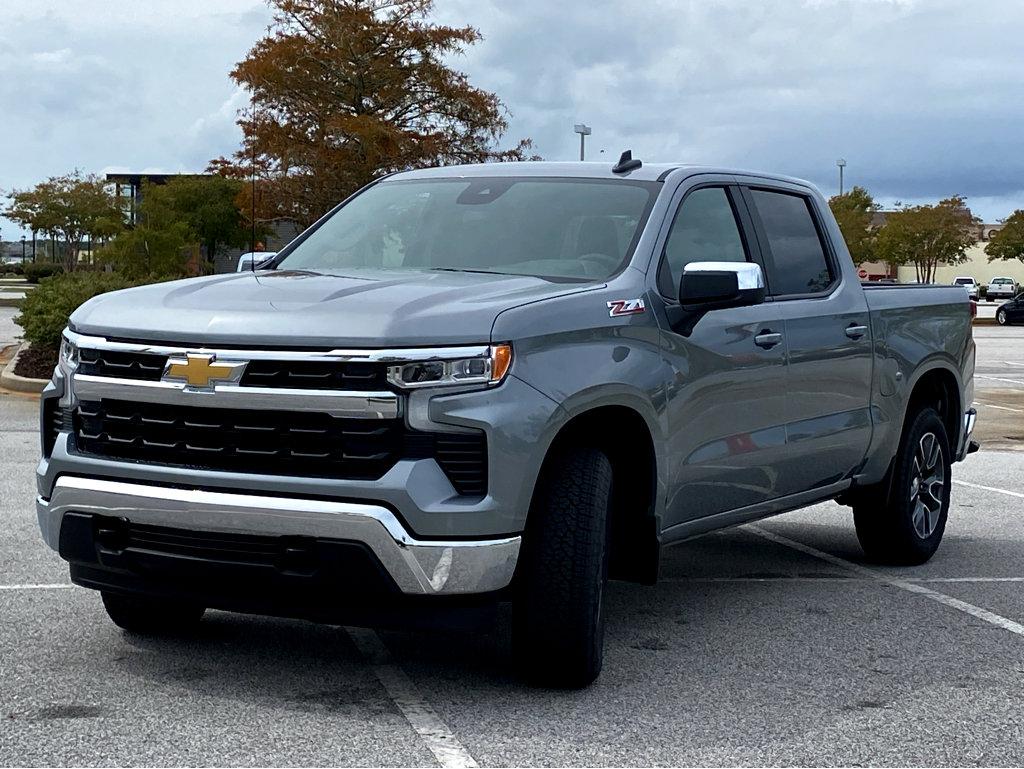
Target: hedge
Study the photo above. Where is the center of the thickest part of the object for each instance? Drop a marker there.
(36, 271)
(45, 310)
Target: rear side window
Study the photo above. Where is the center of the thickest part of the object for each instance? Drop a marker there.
(800, 265)
(704, 230)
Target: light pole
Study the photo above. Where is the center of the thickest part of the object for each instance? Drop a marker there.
(22, 250)
(583, 131)
(842, 164)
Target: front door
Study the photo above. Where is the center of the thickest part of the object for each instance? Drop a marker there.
(726, 396)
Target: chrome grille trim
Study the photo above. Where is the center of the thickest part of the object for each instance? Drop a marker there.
(366, 405)
(384, 355)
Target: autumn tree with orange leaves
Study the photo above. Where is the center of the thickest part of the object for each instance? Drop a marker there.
(347, 90)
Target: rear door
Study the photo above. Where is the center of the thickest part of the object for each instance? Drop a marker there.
(828, 337)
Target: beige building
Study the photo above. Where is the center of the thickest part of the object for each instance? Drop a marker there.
(977, 265)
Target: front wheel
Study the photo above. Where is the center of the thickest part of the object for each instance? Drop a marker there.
(558, 624)
(1001, 318)
(905, 525)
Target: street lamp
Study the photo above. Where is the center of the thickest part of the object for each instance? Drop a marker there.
(583, 131)
(842, 164)
(22, 250)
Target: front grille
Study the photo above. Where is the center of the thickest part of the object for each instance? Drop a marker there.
(53, 421)
(122, 365)
(273, 442)
(315, 375)
(299, 374)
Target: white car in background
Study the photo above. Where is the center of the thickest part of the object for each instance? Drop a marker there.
(1001, 288)
(969, 283)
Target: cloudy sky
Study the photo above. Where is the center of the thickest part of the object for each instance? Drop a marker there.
(922, 97)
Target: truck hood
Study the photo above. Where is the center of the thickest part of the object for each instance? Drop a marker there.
(314, 309)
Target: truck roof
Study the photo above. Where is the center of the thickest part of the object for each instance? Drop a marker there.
(579, 169)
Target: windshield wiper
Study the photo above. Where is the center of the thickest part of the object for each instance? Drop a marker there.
(463, 269)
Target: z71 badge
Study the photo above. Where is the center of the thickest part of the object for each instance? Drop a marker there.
(625, 307)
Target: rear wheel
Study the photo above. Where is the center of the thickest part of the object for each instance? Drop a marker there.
(1001, 318)
(558, 623)
(151, 616)
(904, 523)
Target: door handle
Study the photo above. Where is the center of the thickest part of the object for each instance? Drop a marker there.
(767, 339)
(856, 332)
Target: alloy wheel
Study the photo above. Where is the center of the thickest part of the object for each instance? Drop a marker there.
(1001, 317)
(927, 485)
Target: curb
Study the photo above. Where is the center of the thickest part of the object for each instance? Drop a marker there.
(6, 301)
(21, 384)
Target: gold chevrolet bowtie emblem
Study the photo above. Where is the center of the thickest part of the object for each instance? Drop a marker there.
(198, 370)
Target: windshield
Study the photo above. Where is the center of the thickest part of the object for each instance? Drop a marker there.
(581, 229)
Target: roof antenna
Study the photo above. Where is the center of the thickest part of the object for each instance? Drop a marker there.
(626, 163)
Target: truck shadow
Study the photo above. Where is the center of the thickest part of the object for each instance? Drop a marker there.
(706, 586)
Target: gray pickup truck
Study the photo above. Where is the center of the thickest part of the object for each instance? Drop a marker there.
(498, 383)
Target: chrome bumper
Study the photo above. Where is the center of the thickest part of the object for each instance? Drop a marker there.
(967, 446)
(418, 567)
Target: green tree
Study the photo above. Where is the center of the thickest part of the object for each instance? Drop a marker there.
(347, 90)
(156, 245)
(854, 211)
(72, 206)
(927, 236)
(1008, 243)
(207, 205)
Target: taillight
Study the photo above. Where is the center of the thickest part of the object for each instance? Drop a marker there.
(974, 309)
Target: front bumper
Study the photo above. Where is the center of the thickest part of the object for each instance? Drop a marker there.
(416, 567)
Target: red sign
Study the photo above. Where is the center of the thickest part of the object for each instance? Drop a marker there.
(862, 273)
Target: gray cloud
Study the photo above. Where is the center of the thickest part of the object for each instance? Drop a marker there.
(919, 97)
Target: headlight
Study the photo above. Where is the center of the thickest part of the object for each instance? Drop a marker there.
(68, 354)
(487, 368)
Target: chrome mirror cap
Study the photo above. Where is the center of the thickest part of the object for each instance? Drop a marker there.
(749, 276)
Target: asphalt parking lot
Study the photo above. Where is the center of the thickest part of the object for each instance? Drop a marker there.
(766, 644)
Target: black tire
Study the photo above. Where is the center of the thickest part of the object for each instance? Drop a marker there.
(558, 622)
(1001, 318)
(151, 616)
(903, 524)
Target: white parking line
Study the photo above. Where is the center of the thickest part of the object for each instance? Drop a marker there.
(436, 735)
(783, 578)
(56, 586)
(946, 600)
(999, 379)
(1001, 408)
(996, 489)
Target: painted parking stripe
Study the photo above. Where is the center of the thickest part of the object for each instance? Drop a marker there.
(55, 586)
(996, 489)
(1001, 408)
(999, 379)
(436, 735)
(826, 578)
(911, 587)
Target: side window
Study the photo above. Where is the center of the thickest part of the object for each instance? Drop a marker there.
(800, 265)
(704, 230)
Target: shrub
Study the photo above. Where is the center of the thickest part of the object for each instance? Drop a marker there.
(36, 271)
(13, 269)
(45, 310)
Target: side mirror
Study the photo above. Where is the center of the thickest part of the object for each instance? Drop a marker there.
(715, 285)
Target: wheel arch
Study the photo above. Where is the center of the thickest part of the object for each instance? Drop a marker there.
(623, 434)
(937, 385)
